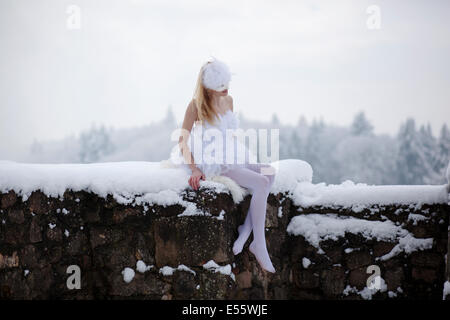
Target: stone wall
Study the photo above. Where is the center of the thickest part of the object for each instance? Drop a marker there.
(41, 237)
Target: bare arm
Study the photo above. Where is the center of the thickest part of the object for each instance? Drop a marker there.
(189, 118)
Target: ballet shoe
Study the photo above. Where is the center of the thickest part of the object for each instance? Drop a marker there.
(260, 257)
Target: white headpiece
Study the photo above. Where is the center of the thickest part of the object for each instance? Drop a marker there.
(216, 75)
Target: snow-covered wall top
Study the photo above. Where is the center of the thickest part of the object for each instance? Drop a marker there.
(150, 182)
(322, 237)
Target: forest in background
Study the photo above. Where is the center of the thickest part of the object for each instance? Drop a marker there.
(336, 153)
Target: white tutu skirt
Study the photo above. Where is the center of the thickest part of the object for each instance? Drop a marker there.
(215, 151)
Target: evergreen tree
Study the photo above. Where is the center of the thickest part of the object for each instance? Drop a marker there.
(412, 164)
(363, 159)
(443, 157)
(36, 147)
(292, 146)
(302, 122)
(297, 145)
(361, 126)
(284, 144)
(94, 144)
(170, 120)
(275, 121)
(430, 151)
(314, 153)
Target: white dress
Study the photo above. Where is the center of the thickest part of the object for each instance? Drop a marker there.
(205, 141)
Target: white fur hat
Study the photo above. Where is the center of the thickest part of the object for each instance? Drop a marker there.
(216, 75)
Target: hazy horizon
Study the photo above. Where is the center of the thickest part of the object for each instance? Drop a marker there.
(130, 60)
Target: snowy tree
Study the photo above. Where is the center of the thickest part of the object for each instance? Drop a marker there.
(447, 174)
(291, 145)
(302, 128)
(361, 126)
(444, 145)
(285, 147)
(275, 122)
(443, 157)
(412, 163)
(315, 154)
(170, 120)
(363, 159)
(297, 145)
(36, 147)
(94, 144)
(430, 150)
(302, 122)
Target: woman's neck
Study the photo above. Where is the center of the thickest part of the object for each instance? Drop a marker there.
(215, 100)
(216, 104)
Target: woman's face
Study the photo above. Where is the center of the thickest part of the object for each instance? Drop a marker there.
(218, 93)
(223, 92)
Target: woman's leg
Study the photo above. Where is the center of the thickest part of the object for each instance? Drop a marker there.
(260, 185)
(246, 228)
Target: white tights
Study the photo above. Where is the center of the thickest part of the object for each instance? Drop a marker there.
(258, 177)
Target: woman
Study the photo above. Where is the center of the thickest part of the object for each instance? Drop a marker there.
(212, 109)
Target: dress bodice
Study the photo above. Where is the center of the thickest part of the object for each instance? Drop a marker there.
(228, 120)
(204, 135)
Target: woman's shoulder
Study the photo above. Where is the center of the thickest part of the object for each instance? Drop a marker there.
(192, 105)
(192, 109)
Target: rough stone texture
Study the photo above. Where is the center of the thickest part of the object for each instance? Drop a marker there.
(189, 240)
(39, 241)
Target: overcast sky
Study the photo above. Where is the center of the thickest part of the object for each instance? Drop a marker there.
(130, 59)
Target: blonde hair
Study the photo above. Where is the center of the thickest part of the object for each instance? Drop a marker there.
(202, 100)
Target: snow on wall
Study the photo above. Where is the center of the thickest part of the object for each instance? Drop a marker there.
(420, 233)
(318, 227)
(348, 194)
(125, 180)
(149, 182)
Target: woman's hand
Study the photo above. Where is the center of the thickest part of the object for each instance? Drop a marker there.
(194, 180)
